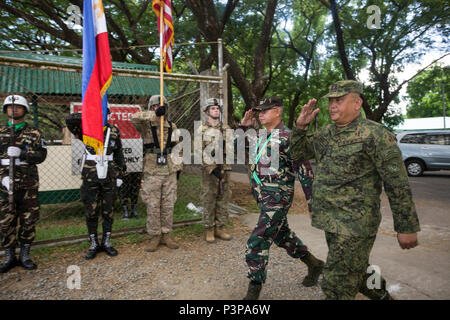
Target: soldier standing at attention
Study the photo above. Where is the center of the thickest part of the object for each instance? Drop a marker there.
(129, 190)
(27, 151)
(216, 192)
(355, 156)
(159, 184)
(98, 190)
(274, 193)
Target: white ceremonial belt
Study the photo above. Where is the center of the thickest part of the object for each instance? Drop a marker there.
(97, 158)
(18, 162)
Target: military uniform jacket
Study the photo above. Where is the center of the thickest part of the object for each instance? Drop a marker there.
(352, 163)
(210, 141)
(30, 141)
(143, 122)
(116, 167)
(282, 178)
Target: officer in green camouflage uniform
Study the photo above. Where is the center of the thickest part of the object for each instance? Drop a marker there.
(273, 190)
(98, 193)
(214, 198)
(28, 151)
(355, 157)
(159, 183)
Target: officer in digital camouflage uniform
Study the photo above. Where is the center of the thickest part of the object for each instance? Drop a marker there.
(273, 190)
(28, 151)
(355, 157)
(98, 193)
(159, 184)
(215, 198)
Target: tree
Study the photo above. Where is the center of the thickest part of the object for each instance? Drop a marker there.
(407, 30)
(425, 93)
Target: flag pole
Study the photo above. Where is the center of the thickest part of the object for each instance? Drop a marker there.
(161, 68)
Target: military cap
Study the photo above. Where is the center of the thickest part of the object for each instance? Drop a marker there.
(269, 103)
(211, 102)
(155, 100)
(343, 87)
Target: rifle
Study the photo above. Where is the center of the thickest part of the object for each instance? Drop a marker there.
(12, 160)
(220, 166)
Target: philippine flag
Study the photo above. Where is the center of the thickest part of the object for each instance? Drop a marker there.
(97, 74)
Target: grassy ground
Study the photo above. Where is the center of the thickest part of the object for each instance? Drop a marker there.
(64, 220)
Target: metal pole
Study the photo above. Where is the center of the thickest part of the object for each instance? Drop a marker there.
(220, 65)
(161, 70)
(443, 100)
(35, 111)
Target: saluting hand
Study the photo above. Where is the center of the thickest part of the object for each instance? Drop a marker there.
(307, 114)
(248, 120)
(407, 240)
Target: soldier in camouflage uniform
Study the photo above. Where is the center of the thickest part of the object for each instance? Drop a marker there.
(28, 151)
(273, 190)
(215, 198)
(159, 184)
(98, 193)
(355, 156)
(129, 192)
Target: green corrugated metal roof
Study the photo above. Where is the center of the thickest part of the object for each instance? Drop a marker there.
(43, 81)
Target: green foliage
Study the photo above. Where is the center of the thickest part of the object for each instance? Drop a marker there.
(425, 93)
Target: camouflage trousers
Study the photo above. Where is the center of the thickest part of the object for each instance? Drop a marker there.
(26, 212)
(159, 194)
(345, 273)
(215, 206)
(129, 190)
(272, 226)
(98, 197)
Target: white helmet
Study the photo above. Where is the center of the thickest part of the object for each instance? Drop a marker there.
(155, 100)
(211, 102)
(18, 100)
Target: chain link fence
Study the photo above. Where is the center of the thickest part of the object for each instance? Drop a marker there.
(52, 85)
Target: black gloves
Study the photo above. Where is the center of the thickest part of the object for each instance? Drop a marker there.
(217, 173)
(160, 111)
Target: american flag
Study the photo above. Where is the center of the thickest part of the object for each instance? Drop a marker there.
(168, 30)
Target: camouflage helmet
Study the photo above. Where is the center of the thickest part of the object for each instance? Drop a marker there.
(18, 101)
(155, 100)
(211, 102)
(343, 87)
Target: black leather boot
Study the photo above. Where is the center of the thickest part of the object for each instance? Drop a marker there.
(10, 260)
(24, 257)
(94, 248)
(253, 291)
(133, 212)
(126, 215)
(106, 245)
(315, 267)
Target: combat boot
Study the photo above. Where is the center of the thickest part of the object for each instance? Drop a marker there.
(107, 246)
(126, 215)
(168, 241)
(94, 248)
(24, 257)
(10, 260)
(315, 267)
(209, 235)
(221, 234)
(254, 289)
(154, 242)
(133, 212)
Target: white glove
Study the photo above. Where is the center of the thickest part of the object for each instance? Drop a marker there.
(5, 182)
(14, 152)
(119, 183)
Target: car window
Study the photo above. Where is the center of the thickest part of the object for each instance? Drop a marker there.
(435, 139)
(413, 138)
